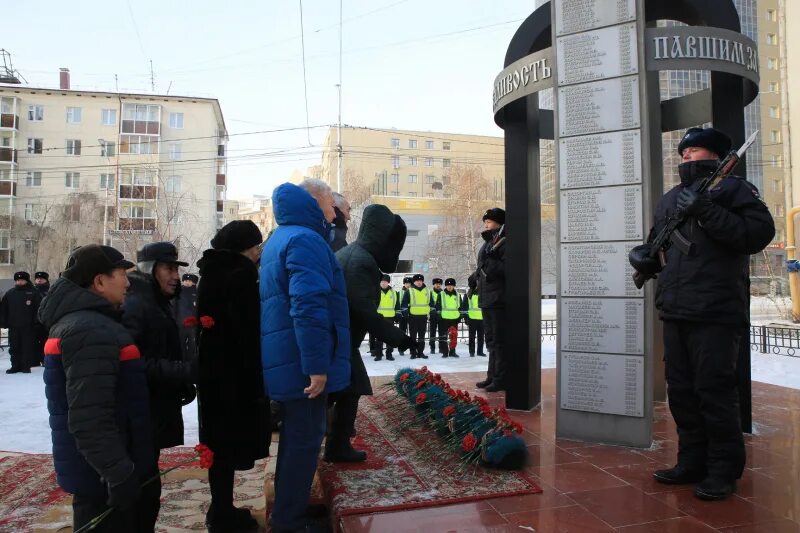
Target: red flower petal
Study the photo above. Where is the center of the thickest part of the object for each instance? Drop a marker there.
(206, 321)
(190, 322)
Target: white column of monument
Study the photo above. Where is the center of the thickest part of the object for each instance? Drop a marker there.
(601, 352)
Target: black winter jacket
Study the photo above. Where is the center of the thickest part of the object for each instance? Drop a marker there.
(381, 237)
(149, 318)
(712, 284)
(490, 276)
(185, 306)
(234, 412)
(96, 392)
(19, 306)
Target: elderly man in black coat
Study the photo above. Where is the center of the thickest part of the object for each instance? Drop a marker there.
(233, 409)
(381, 237)
(18, 310)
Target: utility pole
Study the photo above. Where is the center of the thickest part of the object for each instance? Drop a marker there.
(339, 125)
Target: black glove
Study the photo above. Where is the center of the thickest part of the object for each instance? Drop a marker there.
(124, 495)
(640, 259)
(406, 344)
(692, 203)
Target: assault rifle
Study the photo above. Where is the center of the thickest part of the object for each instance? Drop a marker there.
(669, 234)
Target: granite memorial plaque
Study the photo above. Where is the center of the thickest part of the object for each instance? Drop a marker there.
(613, 325)
(601, 159)
(602, 383)
(597, 269)
(581, 15)
(603, 214)
(599, 106)
(599, 54)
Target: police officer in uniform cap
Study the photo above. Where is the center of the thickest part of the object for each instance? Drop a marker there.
(449, 309)
(418, 302)
(703, 300)
(436, 319)
(18, 310)
(41, 281)
(388, 307)
(402, 321)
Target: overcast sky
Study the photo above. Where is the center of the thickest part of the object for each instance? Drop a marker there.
(409, 64)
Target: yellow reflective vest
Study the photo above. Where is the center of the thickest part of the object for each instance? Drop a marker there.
(386, 307)
(474, 311)
(450, 305)
(419, 301)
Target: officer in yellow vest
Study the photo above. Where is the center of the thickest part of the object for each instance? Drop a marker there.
(418, 302)
(388, 307)
(449, 308)
(402, 316)
(436, 329)
(470, 306)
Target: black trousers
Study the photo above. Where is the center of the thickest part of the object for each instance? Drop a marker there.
(376, 344)
(417, 325)
(22, 347)
(403, 325)
(700, 362)
(475, 330)
(437, 329)
(444, 326)
(141, 518)
(494, 323)
(343, 419)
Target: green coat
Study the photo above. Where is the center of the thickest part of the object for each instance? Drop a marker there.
(377, 249)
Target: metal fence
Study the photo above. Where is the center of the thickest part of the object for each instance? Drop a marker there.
(778, 340)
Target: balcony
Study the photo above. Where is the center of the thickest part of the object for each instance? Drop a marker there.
(221, 179)
(220, 150)
(138, 192)
(8, 155)
(137, 224)
(9, 121)
(8, 188)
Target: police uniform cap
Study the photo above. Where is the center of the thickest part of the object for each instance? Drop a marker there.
(43, 275)
(436, 280)
(386, 277)
(407, 279)
(22, 275)
(496, 213)
(418, 277)
(709, 138)
(450, 281)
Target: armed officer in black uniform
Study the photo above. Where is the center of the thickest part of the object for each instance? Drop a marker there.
(18, 310)
(703, 300)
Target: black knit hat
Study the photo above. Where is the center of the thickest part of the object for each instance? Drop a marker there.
(237, 236)
(436, 280)
(88, 261)
(43, 275)
(22, 275)
(386, 277)
(159, 252)
(418, 277)
(497, 214)
(407, 279)
(709, 138)
(190, 277)
(450, 281)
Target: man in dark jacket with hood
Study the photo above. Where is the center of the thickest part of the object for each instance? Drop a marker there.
(18, 309)
(381, 237)
(186, 308)
(97, 396)
(490, 278)
(703, 300)
(149, 317)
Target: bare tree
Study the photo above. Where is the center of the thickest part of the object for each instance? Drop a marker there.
(358, 193)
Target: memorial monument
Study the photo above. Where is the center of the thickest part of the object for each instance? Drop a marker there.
(601, 58)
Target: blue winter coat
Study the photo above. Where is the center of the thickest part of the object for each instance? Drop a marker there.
(305, 325)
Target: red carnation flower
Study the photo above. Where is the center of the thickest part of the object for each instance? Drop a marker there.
(404, 377)
(516, 426)
(420, 384)
(486, 411)
(469, 442)
(206, 455)
(421, 397)
(423, 369)
(452, 393)
(449, 410)
(207, 321)
(190, 322)
(508, 433)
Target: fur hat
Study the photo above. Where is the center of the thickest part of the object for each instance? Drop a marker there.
(237, 236)
(709, 138)
(497, 214)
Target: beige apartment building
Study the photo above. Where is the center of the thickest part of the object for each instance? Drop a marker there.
(78, 167)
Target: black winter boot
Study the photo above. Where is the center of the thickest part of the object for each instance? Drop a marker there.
(679, 475)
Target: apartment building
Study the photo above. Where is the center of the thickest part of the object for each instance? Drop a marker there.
(125, 169)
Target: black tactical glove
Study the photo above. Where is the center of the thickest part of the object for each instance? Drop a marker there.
(123, 495)
(692, 203)
(640, 259)
(407, 344)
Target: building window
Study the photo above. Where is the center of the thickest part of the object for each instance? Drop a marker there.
(772, 63)
(412, 194)
(774, 87)
(141, 119)
(777, 186)
(72, 212)
(108, 149)
(429, 179)
(776, 161)
(445, 145)
(412, 178)
(175, 151)
(137, 176)
(73, 115)
(106, 181)
(36, 113)
(34, 146)
(72, 180)
(138, 144)
(109, 117)
(394, 178)
(73, 147)
(173, 184)
(428, 161)
(774, 112)
(28, 212)
(6, 254)
(429, 145)
(395, 193)
(395, 142)
(772, 15)
(429, 195)
(445, 163)
(412, 143)
(779, 210)
(395, 161)
(772, 38)
(33, 179)
(176, 121)
(412, 161)
(29, 246)
(775, 136)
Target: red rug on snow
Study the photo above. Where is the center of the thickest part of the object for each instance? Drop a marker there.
(398, 474)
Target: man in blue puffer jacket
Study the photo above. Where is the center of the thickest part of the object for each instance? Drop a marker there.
(305, 338)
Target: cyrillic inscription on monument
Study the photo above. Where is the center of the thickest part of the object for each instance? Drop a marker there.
(599, 106)
(603, 383)
(602, 325)
(599, 54)
(605, 214)
(602, 159)
(581, 15)
(597, 269)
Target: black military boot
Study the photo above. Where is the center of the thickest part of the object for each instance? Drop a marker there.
(453, 354)
(713, 489)
(377, 356)
(472, 354)
(342, 452)
(230, 520)
(678, 475)
(389, 357)
(483, 384)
